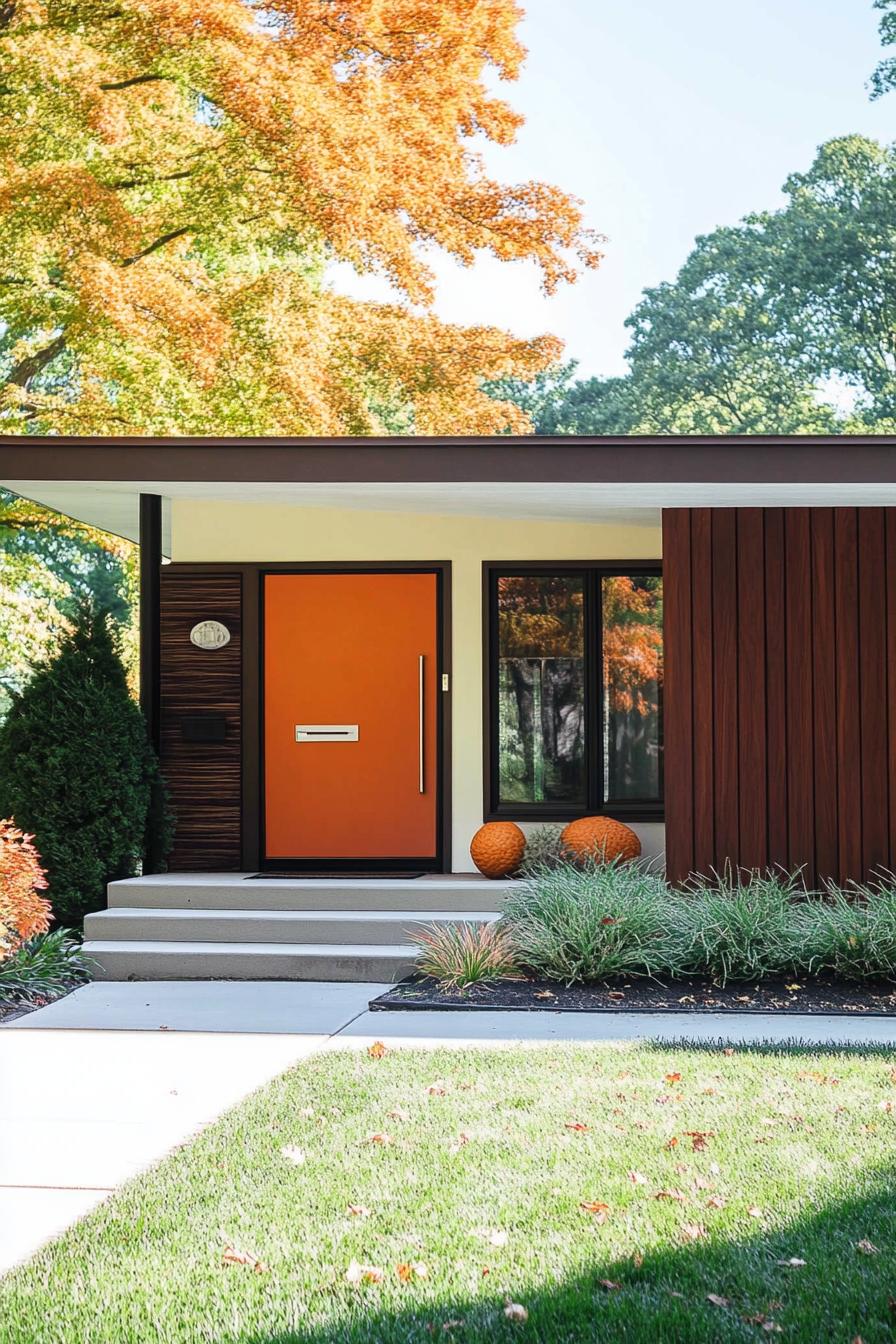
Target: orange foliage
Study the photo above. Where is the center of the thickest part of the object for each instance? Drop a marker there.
(174, 177)
(23, 911)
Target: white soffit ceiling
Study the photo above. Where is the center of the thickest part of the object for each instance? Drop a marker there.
(113, 504)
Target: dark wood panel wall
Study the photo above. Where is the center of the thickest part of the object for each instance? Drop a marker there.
(199, 687)
(780, 689)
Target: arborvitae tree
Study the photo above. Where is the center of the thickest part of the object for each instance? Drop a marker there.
(77, 770)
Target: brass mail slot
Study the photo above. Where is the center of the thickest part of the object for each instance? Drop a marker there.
(326, 732)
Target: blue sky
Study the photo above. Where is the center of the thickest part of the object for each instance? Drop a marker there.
(668, 118)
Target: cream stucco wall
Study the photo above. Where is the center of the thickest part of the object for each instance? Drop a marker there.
(220, 531)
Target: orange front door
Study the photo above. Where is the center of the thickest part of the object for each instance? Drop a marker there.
(350, 716)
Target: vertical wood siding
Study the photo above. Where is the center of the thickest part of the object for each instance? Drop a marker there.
(780, 697)
(203, 778)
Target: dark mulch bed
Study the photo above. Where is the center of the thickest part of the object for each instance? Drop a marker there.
(10, 1011)
(874, 998)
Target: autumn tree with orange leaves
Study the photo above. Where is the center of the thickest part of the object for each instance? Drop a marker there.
(174, 178)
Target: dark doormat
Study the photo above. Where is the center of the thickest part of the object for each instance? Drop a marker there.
(346, 877)
(807, 997)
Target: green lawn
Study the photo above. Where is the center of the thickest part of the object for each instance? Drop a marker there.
(488, 1160)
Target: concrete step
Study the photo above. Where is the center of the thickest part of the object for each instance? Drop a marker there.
(120, 960)
(378, 927)
(232, 891)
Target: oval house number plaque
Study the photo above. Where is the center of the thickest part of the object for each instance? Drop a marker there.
(210, 635)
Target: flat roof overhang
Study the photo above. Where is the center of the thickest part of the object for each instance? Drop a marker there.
(648, 459)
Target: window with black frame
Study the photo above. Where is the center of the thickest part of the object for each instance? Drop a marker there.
(575, 689)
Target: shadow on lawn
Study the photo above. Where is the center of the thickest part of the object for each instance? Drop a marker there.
(839, 1295)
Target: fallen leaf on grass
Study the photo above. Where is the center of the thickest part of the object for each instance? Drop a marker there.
(698, 1138)
(379, 1138)
(576, 1126)
(377, 1050)
(460, 1142)
(594, 1206)
(399, 1114)
(672, 1078)
(678, 1195)
(608, 1285)
(454, 1323)
(754, 1211)
(636, 1178)
(793, 1263)
(410, 1270)
(231, 1256)
(436, 1090)
(515, 1311)
(715, 1202)
(693, 1232)
(728, 1051)
(359, 1210)
(866, 1247)
(294, 1155)
(718, 1301)
(364, 1273)
(671, 1143)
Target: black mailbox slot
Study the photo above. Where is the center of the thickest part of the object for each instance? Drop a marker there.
(203, 728)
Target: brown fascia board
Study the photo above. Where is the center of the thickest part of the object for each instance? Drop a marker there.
(754, 459)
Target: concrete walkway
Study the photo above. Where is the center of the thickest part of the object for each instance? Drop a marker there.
(103, 1083)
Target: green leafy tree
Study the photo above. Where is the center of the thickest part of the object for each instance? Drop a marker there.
(884, 77)
(783, 324)
(48, 564)
(77, 769)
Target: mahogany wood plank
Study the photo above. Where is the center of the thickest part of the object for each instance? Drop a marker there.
(849, 737)
(890, 566)
(873, 690)
(725, 687)
(751, 725)
(703, 690)
(775, 689)
(824, 693)
(678, 701)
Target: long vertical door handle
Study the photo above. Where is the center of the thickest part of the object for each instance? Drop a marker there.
(420, 762)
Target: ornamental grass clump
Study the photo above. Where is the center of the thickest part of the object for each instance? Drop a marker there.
(851, 931)
(43, 968)
(457, 955)
(578, 924)
(739, 925)
(544, 849)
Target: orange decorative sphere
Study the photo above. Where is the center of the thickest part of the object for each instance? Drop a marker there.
(600, 838)
(497, 848)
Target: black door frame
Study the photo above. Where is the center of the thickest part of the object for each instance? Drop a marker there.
(253, 732)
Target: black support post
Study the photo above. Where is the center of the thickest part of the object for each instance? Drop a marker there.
(150, 607)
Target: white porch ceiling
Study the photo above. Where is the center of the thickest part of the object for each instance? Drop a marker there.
(112, 505)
